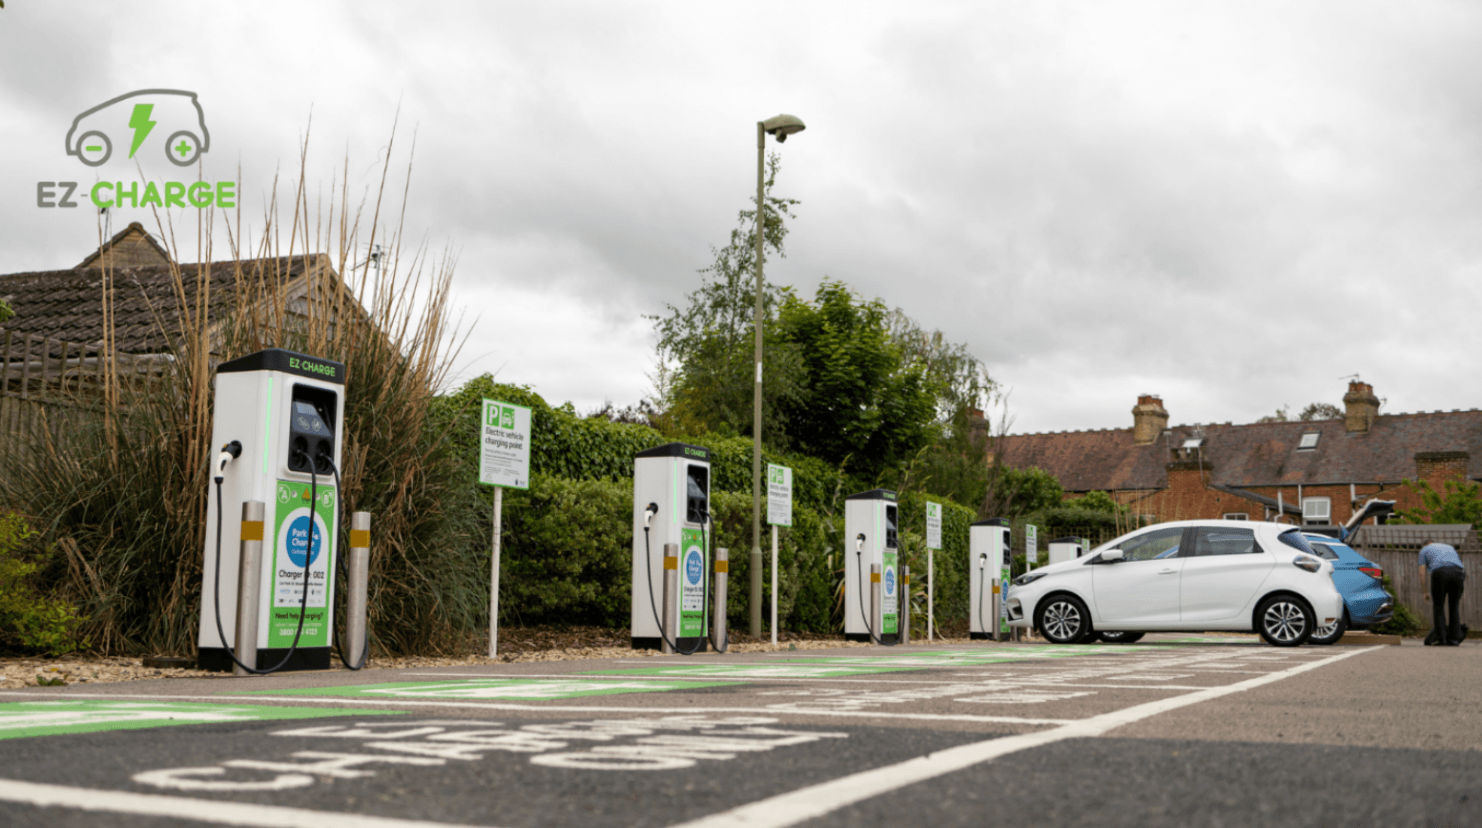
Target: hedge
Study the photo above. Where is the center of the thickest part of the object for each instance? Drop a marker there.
(566, 445)
(566, 557)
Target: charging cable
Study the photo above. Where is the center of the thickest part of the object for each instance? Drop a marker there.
(708, 537)
(859, 564)
(340, 570)
(648, 563)
(230, 452)
(983, 597)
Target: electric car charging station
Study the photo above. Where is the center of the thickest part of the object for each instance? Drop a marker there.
(990, 545)
(278, 425)
(871, 550)
(1066, 549)
(671, 533)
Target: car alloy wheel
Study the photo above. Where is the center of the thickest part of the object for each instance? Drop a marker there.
(1063, 620)
(1285, 622)
(1331, 633)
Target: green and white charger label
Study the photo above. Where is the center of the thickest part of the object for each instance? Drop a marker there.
(692, 572)
(1005, 575)
(293, 545)
(52, 718)
(889, 595)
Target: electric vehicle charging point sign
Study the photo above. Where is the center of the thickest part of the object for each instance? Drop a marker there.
(933, 525)
(779, 495)
(504, 450)
(297, 543)
(1031, 545)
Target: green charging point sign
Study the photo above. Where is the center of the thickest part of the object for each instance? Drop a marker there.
(889, 594)
(692, 583)
(303, 545)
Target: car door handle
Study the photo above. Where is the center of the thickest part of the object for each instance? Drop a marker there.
(1167, 571)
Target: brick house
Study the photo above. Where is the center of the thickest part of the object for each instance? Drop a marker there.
(1315, 472)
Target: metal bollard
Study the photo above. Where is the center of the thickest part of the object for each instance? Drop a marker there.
(667, 626)
(722, 575)
(875, 619)
(905, 605)
(249, 586)
(356, 644)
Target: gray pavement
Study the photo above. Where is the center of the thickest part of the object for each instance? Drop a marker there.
(1174, 730)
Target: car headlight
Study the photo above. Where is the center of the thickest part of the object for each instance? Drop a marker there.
(1028, 578)
(1308, 563)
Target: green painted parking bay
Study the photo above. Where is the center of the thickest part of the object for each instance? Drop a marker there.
(508, 689)
(51, 718)
(782, 670)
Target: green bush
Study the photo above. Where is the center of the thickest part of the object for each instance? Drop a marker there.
(30, 621)
(1403, 622)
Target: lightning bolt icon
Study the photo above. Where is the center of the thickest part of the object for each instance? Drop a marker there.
(141, 125)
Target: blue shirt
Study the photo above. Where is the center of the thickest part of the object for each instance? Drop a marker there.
(1433, 556)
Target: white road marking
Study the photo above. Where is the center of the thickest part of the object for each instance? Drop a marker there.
(818, 800)
(195, 810)
(364, 702)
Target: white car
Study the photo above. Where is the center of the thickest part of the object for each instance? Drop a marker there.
(1192, 575)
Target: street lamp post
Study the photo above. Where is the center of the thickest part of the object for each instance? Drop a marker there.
(780, 126)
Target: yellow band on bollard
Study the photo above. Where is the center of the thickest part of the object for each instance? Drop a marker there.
(905, 582)
(874, 577)
(995, 589)
(671, 563)
(360, 538)
(722, 566)
(252, 530)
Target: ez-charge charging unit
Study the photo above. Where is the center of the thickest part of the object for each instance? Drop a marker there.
(671, 505)
(282, 414)
(871, 553)
(1066, 549)
(990, 544)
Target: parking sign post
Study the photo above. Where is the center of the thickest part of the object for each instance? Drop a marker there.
(504, 460)
(933, 543)
(779, 513)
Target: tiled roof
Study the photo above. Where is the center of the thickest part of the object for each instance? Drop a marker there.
(68, 304)
(1258, 454)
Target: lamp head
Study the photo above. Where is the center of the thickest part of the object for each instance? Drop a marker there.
(782, 126)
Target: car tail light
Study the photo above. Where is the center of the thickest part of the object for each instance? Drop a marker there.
(1373, 572)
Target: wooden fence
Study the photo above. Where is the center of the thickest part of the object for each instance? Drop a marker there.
(1397, 550)
(50, 385)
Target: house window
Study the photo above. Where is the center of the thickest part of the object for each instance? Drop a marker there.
(1317, 509)
(1309, 441)
(1237, 516)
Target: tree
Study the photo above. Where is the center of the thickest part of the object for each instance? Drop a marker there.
(857, 401)
(1459, 502)
(710, 342)
(1313, 411)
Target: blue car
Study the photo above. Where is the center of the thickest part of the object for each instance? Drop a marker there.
(1360, 582)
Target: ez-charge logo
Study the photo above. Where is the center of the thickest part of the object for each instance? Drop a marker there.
(167, 122)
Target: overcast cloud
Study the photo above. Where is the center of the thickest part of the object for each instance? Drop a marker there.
(1231, 204)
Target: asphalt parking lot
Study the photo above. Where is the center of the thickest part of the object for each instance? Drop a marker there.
(1174, 730)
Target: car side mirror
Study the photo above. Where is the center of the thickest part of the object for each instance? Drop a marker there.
(1112, 556)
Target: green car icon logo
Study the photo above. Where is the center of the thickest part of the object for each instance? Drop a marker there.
(133, 118)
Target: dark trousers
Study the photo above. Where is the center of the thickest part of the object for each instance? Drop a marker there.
(1446, 585)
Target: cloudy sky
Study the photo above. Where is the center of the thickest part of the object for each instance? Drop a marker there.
(1233, 205)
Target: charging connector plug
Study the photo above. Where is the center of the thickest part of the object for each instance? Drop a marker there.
(229, 452)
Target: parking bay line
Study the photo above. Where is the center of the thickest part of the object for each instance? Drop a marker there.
(362, 701)
(819, 800)
(194, 810)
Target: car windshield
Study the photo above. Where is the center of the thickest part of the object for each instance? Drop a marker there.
(1294, 539)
